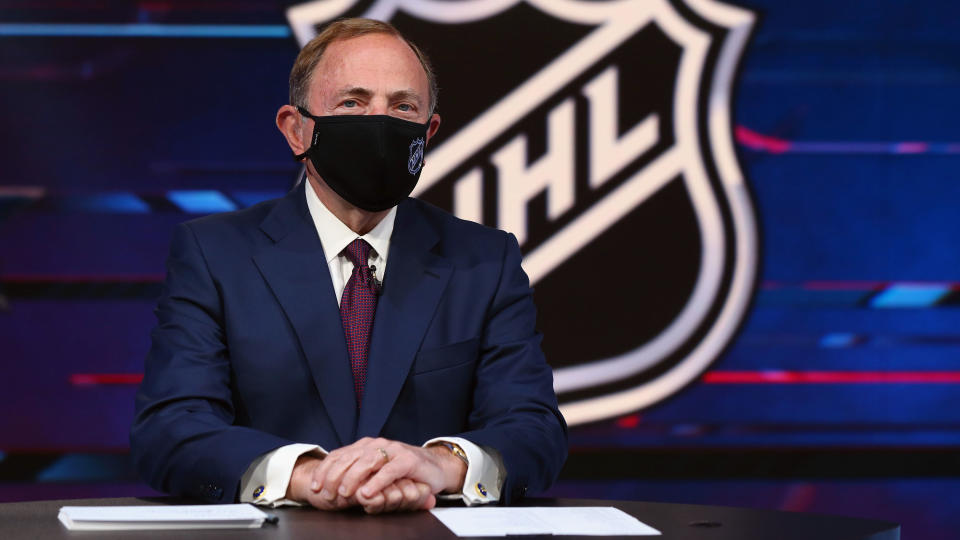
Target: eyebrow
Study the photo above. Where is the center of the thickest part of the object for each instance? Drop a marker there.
(355, 91)
(365, 93)
(408, 94)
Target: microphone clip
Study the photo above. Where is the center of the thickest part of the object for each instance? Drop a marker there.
(375, 284)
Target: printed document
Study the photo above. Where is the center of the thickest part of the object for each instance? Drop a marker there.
(127, 518)
(575, 520)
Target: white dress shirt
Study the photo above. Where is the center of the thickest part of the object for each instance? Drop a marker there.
(266, 480)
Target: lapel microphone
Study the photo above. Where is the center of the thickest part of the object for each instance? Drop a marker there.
(375, 283)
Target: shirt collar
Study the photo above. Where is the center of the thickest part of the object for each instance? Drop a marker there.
(335, 235)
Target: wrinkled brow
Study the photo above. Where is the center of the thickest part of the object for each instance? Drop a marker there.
(408, 94)
(356, 91)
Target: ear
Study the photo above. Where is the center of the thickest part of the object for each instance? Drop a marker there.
(434, 126)
(290, 124)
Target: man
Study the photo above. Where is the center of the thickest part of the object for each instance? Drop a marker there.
(348, 317)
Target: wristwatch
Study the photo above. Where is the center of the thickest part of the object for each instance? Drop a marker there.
(457, 451)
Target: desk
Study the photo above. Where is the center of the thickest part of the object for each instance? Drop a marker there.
(38, 520)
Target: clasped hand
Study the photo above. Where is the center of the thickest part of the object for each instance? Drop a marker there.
(379, 475)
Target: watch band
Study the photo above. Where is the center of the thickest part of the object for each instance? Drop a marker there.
(457, 451)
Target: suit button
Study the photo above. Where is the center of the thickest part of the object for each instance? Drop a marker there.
(210, 491)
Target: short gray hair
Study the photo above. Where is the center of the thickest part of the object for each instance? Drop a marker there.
(302, 73)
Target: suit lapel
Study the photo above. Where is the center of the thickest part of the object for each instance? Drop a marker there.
(412, 288)
(296, 270)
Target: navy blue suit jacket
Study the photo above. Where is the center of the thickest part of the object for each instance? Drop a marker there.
(249, 353)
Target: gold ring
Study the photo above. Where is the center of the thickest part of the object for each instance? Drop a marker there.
(384, 453)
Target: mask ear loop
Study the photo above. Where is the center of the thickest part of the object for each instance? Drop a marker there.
(304, 112)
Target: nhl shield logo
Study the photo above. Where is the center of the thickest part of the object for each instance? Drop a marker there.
(415, 161)
(599, 133)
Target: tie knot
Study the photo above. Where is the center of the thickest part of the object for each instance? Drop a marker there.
(358, 252)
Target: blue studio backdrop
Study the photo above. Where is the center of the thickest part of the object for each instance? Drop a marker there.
(790, 178)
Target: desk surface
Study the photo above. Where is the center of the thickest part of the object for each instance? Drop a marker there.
(38, 520)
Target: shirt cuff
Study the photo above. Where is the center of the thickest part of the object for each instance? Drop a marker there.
(266, 479)
(485, 472)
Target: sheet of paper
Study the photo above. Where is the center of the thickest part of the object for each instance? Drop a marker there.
(575, 520)
(201, 516)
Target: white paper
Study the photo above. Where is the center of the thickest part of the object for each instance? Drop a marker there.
(201, 516)
(575, 520)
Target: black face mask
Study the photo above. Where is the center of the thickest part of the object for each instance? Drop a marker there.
(372, 161)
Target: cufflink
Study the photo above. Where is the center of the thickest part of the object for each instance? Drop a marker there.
(258, 492)
(482, 491)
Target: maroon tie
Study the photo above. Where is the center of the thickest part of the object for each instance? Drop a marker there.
(357, 306)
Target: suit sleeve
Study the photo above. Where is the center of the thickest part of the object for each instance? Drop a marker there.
(514, 406)
(182, 439)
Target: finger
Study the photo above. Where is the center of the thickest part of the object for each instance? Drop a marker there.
(430, 500)
(320, 503)
(321, 471)
(338, 503)
(343, 503)
(374, 505)
(388, 474)
(413, 498)
(372, 460)
(336, 459)
(393, 496)
(329, 480)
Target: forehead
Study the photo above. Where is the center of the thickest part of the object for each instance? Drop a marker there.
(374, 61)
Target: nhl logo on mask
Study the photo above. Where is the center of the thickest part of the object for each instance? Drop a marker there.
(415, 161)
(599, 133)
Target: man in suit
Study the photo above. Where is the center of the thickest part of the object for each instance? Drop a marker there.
(346, 345)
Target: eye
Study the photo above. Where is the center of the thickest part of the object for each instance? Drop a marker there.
(405, 107)
(349, 103)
